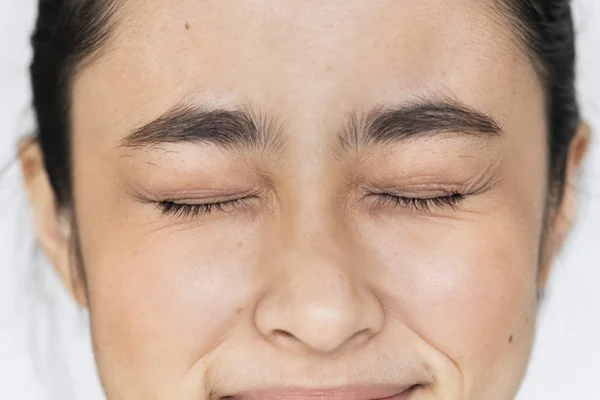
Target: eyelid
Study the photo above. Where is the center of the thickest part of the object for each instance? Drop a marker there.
(422, 191)
(419, 204)
(190, 199)
(188, 191)
(184, 210)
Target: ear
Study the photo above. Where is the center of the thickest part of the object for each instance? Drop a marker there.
(52, 228)
(563, 218)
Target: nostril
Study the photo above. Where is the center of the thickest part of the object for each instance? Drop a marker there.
(366, 333)
(283, 334)
(404, 394)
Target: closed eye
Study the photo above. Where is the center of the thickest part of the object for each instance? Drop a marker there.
(183, 210)
(452, 201)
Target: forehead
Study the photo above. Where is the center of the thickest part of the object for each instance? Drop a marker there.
(328, 57)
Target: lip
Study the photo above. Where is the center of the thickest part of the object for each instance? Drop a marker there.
(340, 393)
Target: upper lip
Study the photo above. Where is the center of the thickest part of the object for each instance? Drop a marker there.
(367, 392)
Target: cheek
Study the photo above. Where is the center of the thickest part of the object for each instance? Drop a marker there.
(464, 287)
(166, 295)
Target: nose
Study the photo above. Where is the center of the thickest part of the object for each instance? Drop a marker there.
(318, 302)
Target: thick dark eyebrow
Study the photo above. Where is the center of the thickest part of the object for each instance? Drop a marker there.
(243, 128)
(229, 129)
(385, 124)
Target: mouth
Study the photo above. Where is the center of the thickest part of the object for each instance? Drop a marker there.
(340, 393)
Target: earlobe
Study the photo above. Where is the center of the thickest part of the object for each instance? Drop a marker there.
(52, 228)
(563, 218)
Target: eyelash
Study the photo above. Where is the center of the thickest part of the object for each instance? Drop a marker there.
(181, 210)
(451, 201)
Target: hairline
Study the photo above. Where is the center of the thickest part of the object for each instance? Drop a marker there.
(107, 33)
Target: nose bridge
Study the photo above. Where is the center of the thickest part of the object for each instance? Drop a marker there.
(318, 300)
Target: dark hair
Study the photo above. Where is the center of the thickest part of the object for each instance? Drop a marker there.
(66, 35)
(546, 28)
(69, 32)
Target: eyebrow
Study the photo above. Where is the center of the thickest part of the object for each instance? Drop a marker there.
(386, 125)
(243, 128)
(229, 129)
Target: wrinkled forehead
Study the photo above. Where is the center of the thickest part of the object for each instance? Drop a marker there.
(329, 56)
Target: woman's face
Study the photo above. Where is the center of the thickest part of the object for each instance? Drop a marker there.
(275, 199)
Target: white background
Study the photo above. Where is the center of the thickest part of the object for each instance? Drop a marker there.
(566, 362)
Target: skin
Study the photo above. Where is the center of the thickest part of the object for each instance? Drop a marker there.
(312, 282)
